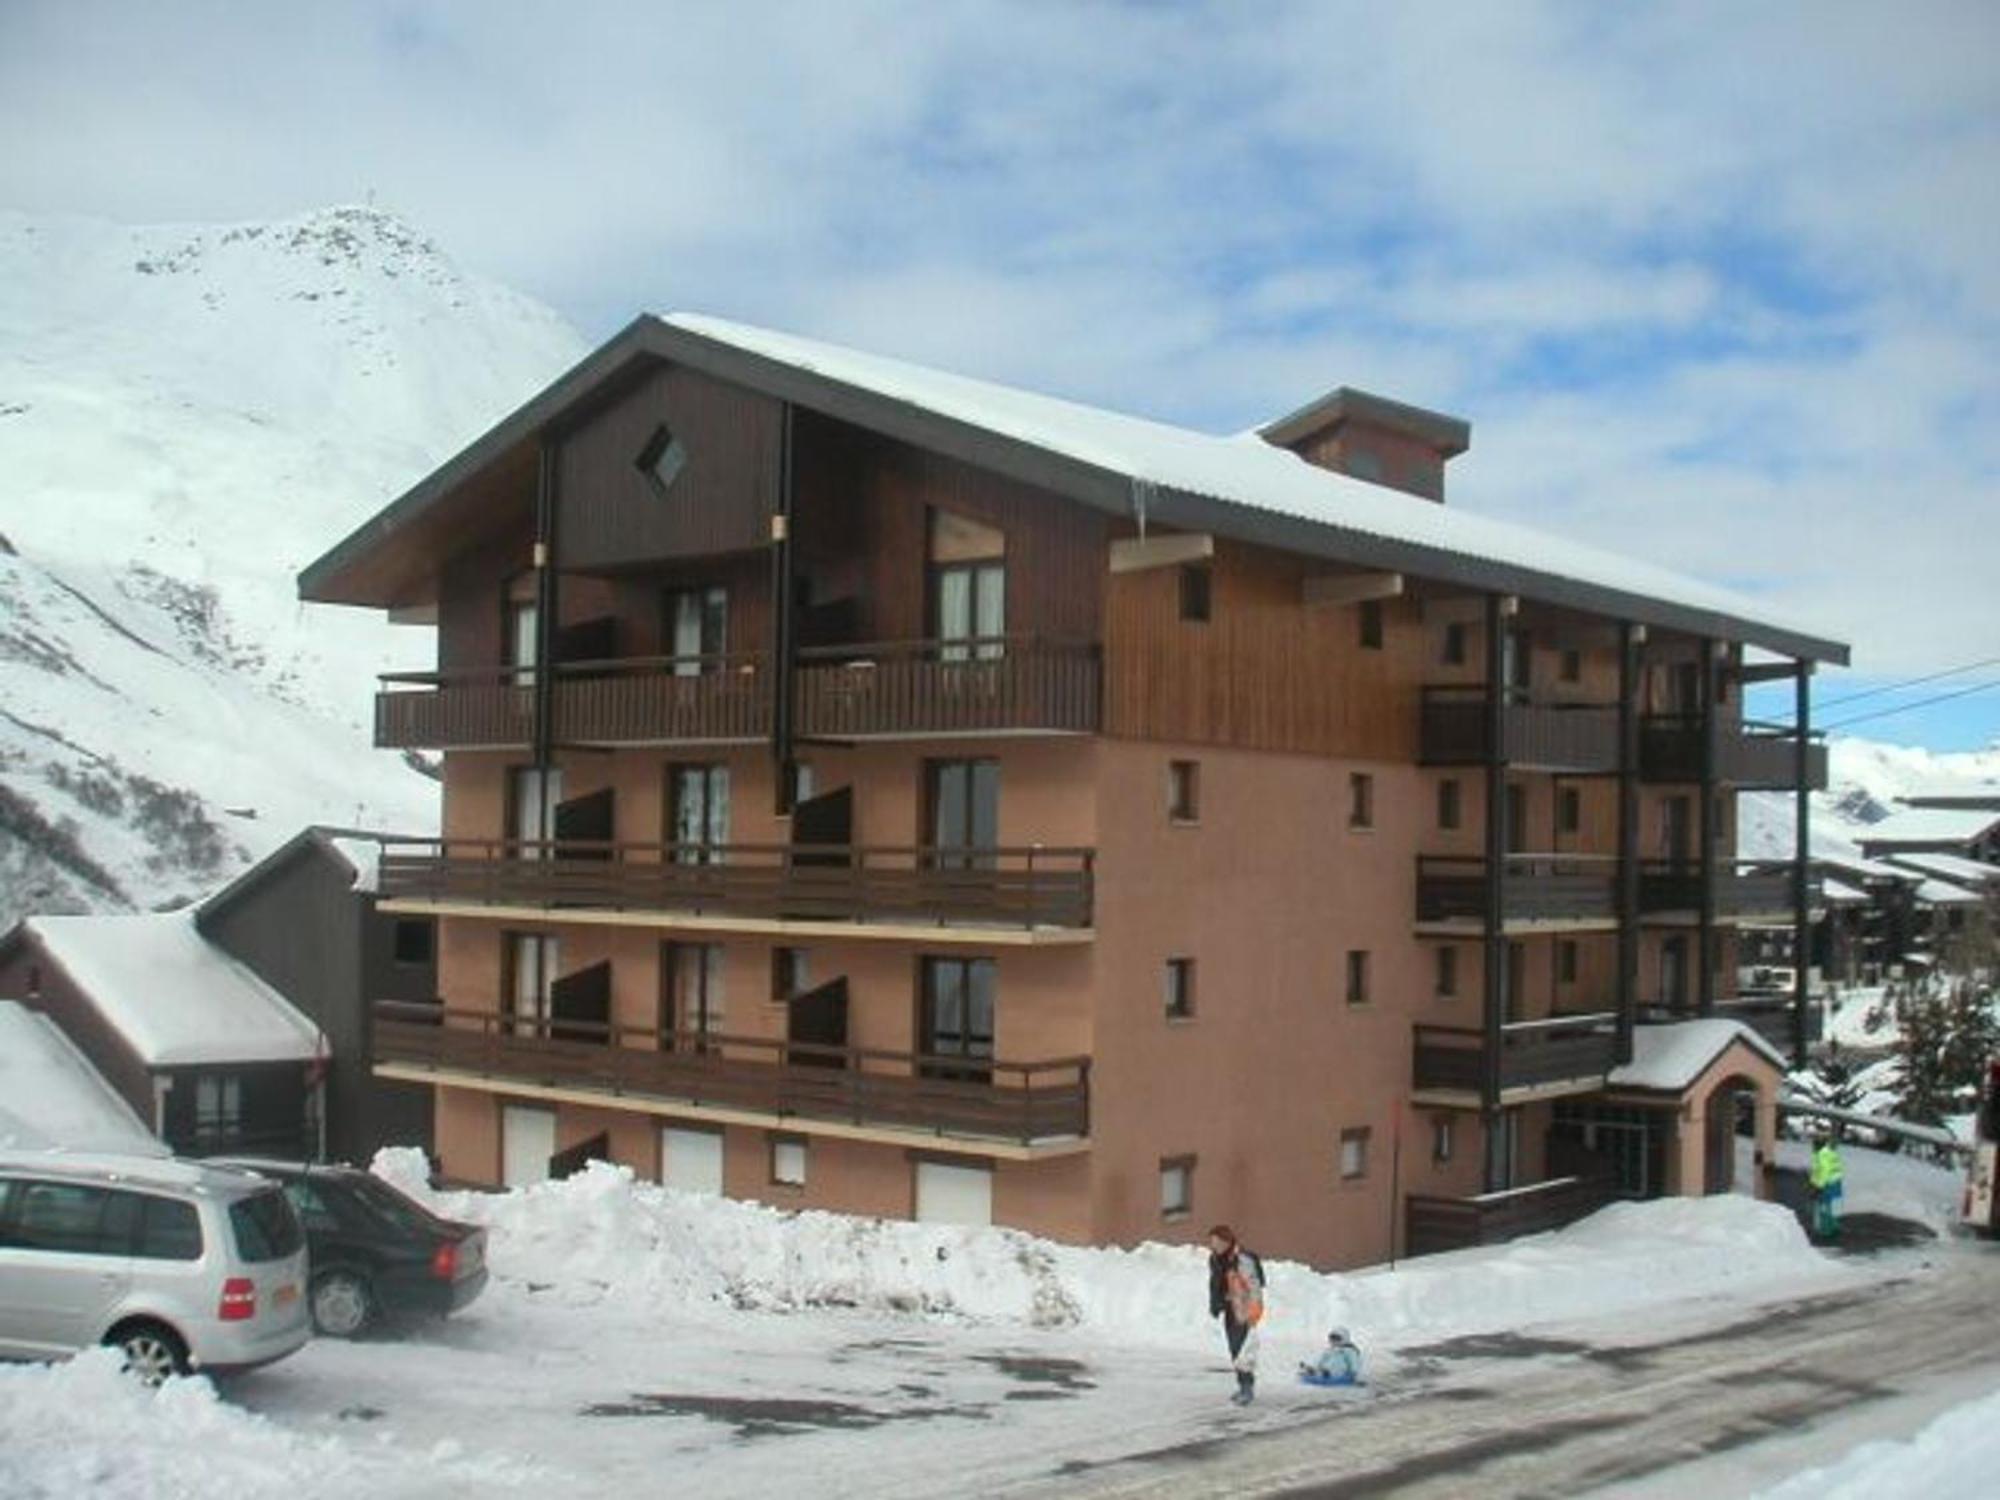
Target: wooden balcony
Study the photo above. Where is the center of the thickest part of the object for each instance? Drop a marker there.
(1573, 737)
(984, 889)
(1431, 1225)
(1535, 1056)
(1749, 755)
(1743, 888)
(993, 685)
(1539, 888)
(789, 1084)
(1769, 1015)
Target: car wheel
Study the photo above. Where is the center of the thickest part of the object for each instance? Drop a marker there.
(152, 1352)
(341, 1305)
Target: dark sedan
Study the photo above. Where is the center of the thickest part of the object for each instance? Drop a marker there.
(376, 1252)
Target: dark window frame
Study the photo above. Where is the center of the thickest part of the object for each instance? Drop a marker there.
(1360, 800)
(1359, 966)
(661, 460)
(1450, 804)
(1184, 791)
(1178, 988)
(1371, 626)
(1197, 593)
(1185, 1165)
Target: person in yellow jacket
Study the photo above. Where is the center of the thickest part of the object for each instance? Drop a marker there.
(1824, 1179)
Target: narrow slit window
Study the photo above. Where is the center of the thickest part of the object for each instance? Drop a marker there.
(1197, 585)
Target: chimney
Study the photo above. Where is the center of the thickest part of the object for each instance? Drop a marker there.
(1373, 438)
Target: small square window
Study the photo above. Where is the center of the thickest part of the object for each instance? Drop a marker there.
(1441, 1139)
(1196, 589)
(1447, 971)
(1354, 1154)
(413, 941)
(1454, 644)
(1569, 809)
(1176, 1187)
(1566, 961)
(1360, 800)
(1183, 790)
(1371, 625)
(1572, 666)
(1449, 805)
(790, 974)
(1357, 976)
(788, 1161)
(1178, 988)
(661, 460)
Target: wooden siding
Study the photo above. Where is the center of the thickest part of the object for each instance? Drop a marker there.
(1435, 1224)
(609, 514)
(1264, 672)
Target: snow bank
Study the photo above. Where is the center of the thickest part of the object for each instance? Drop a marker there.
(603, 1236)
(82, 1428)
(1955, 1458)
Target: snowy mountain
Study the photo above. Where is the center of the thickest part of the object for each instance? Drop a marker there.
(1864, 779)
(188, 414)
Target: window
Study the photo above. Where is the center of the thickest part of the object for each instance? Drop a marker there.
(265, 1226)
(532, 796)
(788, 1161)
(698, 813)
(1360, 800)
(1569, 810)
(218, 1105)
(532, 959)
(1449, 803)
(1357, 976)
(1447, 971)
(1176, 1187)
(1441, 1139)
(963, 815)
(661, 460)
(413, 941)
(1572, 666)
(968, 584)
(803, 782)
(694, 990)
(62, 1216)
(1183, 791)
(1354, 1154)
(1196, 587)
(168, 1230)
(790, 974)
(1454, 644)
(1179, 988)
(1566, 961)
(957, 1019)
(521, 628)
(697, 629)
(1371, 625)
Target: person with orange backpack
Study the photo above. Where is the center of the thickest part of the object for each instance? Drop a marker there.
(1236, 1295)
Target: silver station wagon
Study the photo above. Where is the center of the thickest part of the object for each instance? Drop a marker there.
(182, 1266)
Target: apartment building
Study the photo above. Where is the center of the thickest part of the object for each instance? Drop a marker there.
(872, 789)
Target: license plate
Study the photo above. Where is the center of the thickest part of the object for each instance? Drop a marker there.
(285, 1295)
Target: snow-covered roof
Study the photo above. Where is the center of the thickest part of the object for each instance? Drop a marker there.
(1841, 892)
(1864, 869)
(1944, 893)
(1955, 868)
(50, 1096)
(1668, 1058)
(364, 855)
(1930, 825)
(175, 998)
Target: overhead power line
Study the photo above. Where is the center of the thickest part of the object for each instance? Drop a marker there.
(1910, 682)
(1904, 708)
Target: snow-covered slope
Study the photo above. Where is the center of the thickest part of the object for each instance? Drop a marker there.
(1864, 779)
(188, 414)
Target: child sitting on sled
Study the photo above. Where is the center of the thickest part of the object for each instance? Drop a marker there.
(1339, 1363)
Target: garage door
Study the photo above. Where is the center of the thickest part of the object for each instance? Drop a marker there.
(691, 1160)
(527, 1141)
(954, 1195)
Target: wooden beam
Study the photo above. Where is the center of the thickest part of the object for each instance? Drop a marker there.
(1772, 671)
(1349, 588)
(1464, 609)
(1135, 554)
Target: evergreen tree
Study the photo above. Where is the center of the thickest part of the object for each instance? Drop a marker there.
(1926, 1092)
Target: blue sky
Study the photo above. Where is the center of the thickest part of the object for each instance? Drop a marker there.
(1713, 283)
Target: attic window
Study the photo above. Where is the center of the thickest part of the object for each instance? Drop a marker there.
(661, 460)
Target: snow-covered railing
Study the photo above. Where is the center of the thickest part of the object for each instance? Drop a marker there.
(1934, 1136)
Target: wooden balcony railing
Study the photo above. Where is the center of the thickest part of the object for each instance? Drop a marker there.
(947, 687)
(1435, 1224)
(1742, 887)
(992, 683)
(1751, 754)
(1021, 1102)
(1771, 1016)
(1580, 737)
(1001, 887)
(1532, 1053)
(1539, 888)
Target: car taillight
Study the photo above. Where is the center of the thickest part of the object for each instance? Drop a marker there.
(444, 1261)
(239, 1300)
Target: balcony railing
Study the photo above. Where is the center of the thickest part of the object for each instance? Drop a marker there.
(1751, 754)
(1769, 1015)
(1532, 1053)
(994, 887)
(1021, 1102)
(989, 684)
(1538, 888)
(1548, 736)
(1743, 888)
(1435, 1224)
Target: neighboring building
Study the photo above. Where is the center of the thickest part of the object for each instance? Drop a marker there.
(304, 921)
(210, 1057)
(871, 789)
(1969, 831)
(50, 1096)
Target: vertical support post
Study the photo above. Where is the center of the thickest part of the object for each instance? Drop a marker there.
(1628, 836)
(783, 625)
(1494, 945)
(547, 602)
(1801, 857)
(1710, 730)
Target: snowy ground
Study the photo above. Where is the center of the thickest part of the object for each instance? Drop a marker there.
(632, 1332)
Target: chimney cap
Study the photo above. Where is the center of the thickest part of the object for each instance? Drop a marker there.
(1450, 436)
